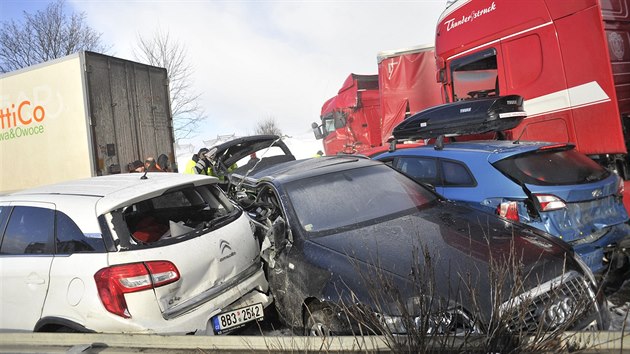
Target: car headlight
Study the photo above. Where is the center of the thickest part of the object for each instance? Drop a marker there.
(449, 322)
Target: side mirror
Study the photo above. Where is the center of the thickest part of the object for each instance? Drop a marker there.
(317, 131)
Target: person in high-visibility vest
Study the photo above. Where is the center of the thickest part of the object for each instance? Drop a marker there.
(190, 165)
(205, 164)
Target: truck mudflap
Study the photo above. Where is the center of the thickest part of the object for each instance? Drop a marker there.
(476, 116)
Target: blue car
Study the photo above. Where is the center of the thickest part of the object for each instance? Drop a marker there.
(549, 186)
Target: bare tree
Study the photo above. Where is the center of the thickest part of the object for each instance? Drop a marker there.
(162, 51)
(47, 34)
(268, 126)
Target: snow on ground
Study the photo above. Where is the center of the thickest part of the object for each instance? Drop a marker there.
(304, 147)
(619, 317)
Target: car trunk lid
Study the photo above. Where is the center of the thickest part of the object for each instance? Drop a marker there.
(574, 196)
(583, 210)
(208, 263)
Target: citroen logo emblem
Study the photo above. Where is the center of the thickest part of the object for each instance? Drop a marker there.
(224, 245)
(226, 250)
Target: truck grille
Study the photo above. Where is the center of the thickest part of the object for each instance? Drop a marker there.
(556, 304)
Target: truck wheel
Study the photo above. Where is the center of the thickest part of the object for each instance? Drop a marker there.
(321, 321)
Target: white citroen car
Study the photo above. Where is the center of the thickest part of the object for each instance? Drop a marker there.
(169, 253)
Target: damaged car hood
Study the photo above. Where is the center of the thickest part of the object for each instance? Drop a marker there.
(452, 247)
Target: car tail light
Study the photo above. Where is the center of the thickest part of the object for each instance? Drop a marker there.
(549, 202)
(508, 210)
(115, 281)
(621, 188)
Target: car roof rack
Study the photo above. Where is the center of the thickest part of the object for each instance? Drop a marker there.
(475, 116)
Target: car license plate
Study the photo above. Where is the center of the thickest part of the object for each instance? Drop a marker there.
(237, 318)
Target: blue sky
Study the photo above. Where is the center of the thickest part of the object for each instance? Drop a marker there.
(12, 9)
(259, 59)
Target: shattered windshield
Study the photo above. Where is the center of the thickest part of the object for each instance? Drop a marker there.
(356, 196)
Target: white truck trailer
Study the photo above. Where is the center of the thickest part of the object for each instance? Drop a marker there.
(83, 115)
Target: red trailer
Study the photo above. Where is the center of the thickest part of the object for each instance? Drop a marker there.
(368, 107)
(570, 60)
(406, 81)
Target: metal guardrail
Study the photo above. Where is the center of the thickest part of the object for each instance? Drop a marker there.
(585, 342)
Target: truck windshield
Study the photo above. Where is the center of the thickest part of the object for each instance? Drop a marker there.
(475, 75)
(552, 167)
(354, 197)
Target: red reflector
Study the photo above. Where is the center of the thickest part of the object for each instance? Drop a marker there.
(508, 210)
(549, 202)
(115, 281)
(555, 146)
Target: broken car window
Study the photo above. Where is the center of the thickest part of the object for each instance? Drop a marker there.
(186, 211)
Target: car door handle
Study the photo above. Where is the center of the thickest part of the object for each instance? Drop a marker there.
(35, 279)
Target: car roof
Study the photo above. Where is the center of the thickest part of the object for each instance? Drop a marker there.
(375, 151)
(499, 149)
(300, 169)
(117, 190)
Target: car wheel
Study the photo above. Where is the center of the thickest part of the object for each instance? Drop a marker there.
(321, 321)
(64, 329)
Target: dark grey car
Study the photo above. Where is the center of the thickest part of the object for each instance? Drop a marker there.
(352, 243)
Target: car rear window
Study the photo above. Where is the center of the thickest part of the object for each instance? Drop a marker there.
(352, 197)
(176, 213)
(552, 167)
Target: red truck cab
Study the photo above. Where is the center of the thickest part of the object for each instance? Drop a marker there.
(350, 121)
(570, 60)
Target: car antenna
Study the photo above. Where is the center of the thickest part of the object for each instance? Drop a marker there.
(518, 141)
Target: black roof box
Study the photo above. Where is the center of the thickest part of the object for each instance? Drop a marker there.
(474, 116)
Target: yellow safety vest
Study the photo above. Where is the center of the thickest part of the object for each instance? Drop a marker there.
(190, 167)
